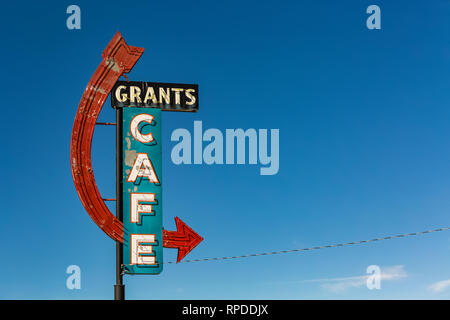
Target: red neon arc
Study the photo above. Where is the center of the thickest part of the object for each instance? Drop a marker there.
(184, 239)
(118, 58)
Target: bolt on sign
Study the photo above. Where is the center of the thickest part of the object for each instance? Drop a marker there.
(137, 226)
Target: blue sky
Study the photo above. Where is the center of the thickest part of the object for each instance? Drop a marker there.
(364, 128)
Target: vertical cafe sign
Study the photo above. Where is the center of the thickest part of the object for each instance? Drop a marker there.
(141, 187)
(139, 106)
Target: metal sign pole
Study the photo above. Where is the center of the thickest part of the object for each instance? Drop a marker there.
(119, 287)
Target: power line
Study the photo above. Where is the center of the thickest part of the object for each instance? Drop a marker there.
(315, 248)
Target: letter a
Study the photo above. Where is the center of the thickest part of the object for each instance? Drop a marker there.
(73, 21)
(374, 280)
(143, 167)
(374, 21)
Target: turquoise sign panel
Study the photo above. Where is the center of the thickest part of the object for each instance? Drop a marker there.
(142, 192)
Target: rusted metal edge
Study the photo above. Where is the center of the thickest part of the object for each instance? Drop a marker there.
(118, 58)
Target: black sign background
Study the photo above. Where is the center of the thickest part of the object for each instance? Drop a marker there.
(162, 103)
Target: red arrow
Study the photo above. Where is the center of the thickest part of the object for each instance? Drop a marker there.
(184, 239)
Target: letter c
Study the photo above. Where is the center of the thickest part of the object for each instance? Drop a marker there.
(134, 127)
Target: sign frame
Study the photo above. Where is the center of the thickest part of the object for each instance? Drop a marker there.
(179, 97)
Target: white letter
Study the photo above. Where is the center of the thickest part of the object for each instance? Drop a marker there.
(374, 21)
(165, 95)
(121, 97)
(138, 208)
(73, 21)
(177, 94)
(184, 146)
(134, 127)
(190, 96)
(143, 167)
(150, 94)
(141, 251)
(74, 280)
(135, 92)
(240, 145)
(374, 280)
(198, 142)
(273, 160)
(215, 146)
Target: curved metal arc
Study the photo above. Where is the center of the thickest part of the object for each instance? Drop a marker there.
(118, 58)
